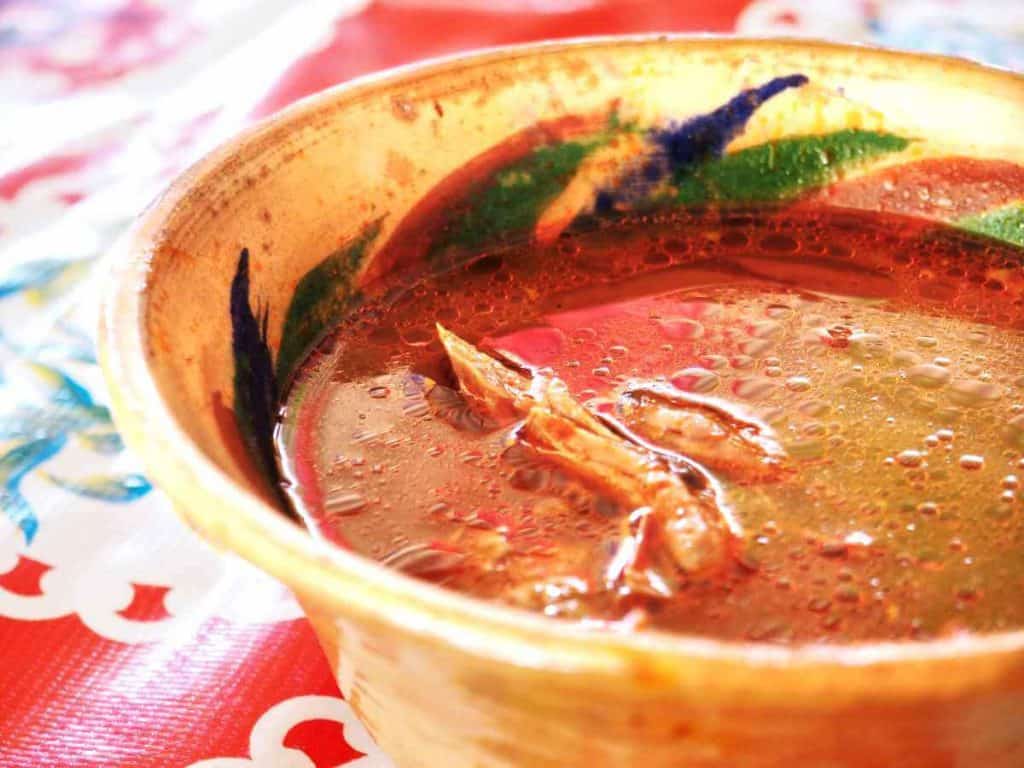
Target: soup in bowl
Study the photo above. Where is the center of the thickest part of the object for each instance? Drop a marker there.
(625, 401)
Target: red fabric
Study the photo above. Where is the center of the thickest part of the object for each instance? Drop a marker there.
(387, 35)
(71, 698)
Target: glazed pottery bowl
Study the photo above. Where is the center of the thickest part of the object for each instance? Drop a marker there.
(240, 266)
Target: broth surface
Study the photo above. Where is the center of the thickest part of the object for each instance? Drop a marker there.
(882, 353)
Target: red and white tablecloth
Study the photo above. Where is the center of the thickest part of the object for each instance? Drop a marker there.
(124, 640)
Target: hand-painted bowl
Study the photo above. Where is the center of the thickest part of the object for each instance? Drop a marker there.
(236, 270)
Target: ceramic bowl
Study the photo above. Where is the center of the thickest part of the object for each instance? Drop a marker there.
(229, 277)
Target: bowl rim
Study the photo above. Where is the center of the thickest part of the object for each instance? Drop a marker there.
(365, 590)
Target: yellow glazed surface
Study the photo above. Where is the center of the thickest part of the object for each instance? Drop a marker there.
(442, 680)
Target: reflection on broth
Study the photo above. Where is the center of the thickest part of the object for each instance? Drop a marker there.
(789, 426)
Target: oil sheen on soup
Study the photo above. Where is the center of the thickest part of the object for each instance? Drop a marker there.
(790, 426)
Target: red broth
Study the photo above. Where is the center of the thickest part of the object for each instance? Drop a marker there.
(881, 353)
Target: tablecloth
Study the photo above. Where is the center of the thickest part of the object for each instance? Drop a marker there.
(124, 640)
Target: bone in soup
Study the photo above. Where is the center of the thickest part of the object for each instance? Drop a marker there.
(800, 425)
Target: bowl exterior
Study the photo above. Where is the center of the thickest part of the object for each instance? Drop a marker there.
(241, 265)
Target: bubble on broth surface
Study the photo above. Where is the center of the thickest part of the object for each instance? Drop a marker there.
(898, 405)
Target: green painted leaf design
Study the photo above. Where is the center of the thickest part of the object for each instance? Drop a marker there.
(319, 297)
(518, 194)
(781, 169)
(1006, 223)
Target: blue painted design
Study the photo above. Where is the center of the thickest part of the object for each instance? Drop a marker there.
(14, 465)
(33, 274)
(682, 146)
(706, 136)
(33, 432)
(255, 384)
(73, 350)
(76, 346)
(20, 512)
(64, 390)
(41, 432)
(114, 488)
(107, 443)
(71, 408)
(960, 35)
(27, 422)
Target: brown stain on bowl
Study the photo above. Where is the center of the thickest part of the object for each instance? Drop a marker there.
(225, 418)
(404, 109)
(400, 168)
